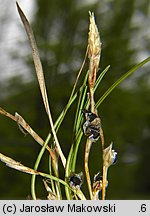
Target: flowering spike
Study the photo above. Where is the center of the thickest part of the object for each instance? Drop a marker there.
(94, 50)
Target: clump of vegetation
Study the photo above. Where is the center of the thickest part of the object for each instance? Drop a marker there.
(87, 123)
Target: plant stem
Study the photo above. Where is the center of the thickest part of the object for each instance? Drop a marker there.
(86, 158)
(105, 169)
(92, 103)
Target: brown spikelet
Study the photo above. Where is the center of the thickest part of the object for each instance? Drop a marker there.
(94, 50)
(94, 53)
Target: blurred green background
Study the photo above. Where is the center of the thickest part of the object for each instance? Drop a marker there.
(61, 31)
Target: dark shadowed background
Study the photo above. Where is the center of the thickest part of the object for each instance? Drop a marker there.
(61, 29)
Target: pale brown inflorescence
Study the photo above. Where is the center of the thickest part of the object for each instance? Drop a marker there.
(94, 52)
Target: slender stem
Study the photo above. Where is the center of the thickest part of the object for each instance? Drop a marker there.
(92, 103)
(56, 173)
(86, 158)
(50, 172)
(36, 167)
(83, 63)
(33, 187)
(105, 169)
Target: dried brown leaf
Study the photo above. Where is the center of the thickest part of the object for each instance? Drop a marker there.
(27, 127)
(4, 112)
(36, 58)
(16, 165)
(20, 121)
(40, 76)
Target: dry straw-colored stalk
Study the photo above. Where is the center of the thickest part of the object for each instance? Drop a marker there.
(86, 167)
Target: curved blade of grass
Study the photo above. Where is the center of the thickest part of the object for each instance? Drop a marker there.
(55, 179)
(121, 79)
(79, 137)
(100, 77)
(67, 173)
(36, 167)
(38, 159)
(82, 94)
(50, 172)
(40, 76)
(80, 108)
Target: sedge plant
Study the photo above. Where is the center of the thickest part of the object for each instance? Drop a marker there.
(87, 123)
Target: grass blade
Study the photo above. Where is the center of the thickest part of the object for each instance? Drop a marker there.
(40, 76)
(121, 79)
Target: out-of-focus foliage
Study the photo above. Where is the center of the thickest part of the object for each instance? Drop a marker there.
(61, 30)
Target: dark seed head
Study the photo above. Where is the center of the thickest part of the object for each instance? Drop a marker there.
(76, 180)
(97, 177)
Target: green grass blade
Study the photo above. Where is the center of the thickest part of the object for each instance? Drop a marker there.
(81, 101)
(120, 80)
(82, 91)
(67, 173)
(100, 77)
(79, 137)
(80, 108)
(33, 178)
